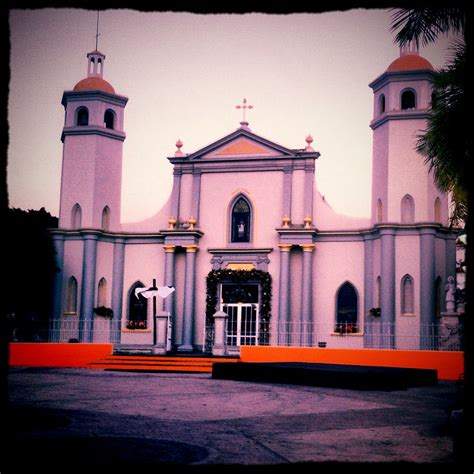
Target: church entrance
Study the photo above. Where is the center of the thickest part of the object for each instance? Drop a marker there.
(241, 303)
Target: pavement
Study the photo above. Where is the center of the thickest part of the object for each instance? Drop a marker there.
(78, 418)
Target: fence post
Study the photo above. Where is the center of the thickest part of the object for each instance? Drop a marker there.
(161, 332)
(219, 347)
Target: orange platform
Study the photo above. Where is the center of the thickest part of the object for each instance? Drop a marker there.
(450, 365)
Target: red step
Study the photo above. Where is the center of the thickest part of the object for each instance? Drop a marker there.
(158, 363)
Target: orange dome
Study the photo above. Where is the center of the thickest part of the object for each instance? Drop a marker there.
(409, 62)
(94, 84)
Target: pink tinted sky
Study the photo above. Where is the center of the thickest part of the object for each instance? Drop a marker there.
(183, 74)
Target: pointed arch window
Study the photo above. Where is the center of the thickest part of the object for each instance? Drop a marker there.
(109, 119)
(137, 309)
(101, 292)
(407, 295)
(407, 210)
(408, 100)
(71, 298)
(347, 309)
(437, 210)
(76, 217)
(241, 221)
(382, 103)
(82, 118)
(106, 218)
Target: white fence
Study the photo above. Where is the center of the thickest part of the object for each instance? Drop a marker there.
(373, 335)
(68, 330)
(247, 329)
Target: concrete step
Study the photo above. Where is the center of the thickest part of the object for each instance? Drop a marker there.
(148, 363)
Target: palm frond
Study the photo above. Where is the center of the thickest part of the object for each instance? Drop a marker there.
(426, 23)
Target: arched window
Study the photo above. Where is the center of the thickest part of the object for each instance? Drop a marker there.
(408, 100)
(109, 119)
(407, 210)
(437, 210)
(71, 299)
(106, 218)
(99, 66)
(82, 117)
(241, 221)
(92, 66)
(76, 217)
(101, 292)
(407, 295)
(347, 309)
(379, 211)
(381, 104)
(137, 309)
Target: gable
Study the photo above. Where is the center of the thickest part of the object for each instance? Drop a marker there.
(241, 146)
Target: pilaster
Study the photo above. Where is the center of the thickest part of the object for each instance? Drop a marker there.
(86, 320)
(117, 287)
(189, 278)
(283, 310)
(306, 294)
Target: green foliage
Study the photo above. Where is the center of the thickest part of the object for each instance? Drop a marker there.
(445, 143)
(30, 263)
(104, 311)
(240, 276)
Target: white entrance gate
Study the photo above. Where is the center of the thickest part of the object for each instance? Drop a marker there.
(242, 324)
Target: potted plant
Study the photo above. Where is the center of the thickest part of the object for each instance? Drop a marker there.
(104, 311)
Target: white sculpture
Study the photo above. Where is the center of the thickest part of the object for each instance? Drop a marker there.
(450, 289)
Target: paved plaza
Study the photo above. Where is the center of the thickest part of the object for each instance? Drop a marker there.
(87, 417)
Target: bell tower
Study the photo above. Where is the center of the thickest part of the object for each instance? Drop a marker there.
(403, 190)
(92, 137)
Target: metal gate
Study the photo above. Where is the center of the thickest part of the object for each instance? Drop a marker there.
(242, 323)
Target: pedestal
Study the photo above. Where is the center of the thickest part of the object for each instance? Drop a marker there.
(161, 332)
(219, 347)
(450, 332)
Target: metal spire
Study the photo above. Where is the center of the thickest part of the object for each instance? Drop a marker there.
(97, 34)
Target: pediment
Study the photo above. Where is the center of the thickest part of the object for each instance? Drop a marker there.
(238, 145)
(241, 146)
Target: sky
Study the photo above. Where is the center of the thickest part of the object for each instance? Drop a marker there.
(184, 74)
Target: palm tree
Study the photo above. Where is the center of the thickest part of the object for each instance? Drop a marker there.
(447, 146)
(445, 142)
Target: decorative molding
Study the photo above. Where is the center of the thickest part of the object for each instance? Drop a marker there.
(191, 248)
(223, 257)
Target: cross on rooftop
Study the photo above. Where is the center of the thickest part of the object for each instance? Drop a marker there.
(97, 34)
(244, 106)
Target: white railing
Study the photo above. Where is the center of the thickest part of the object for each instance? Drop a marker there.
(249, 330)
(68, 330)
(376, 335)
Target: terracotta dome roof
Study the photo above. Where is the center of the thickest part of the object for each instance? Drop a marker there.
(409, 62)
(94, 84)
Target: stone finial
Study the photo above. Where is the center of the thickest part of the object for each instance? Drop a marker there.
(171, 222)
(192, 222)
(309, 140)
(286, 221)
(307, 222)
(178, 152)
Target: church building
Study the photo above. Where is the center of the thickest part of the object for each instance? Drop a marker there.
(245, 231)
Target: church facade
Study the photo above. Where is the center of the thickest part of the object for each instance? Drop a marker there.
(245, 231)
